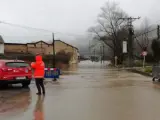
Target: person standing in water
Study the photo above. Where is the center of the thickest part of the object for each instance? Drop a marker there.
(39, 71)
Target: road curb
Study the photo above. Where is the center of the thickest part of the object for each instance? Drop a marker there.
(140, 72)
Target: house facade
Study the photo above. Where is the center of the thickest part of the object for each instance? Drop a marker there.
(42, 47)
(1, 45)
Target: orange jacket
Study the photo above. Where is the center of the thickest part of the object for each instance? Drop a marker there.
(38, 67)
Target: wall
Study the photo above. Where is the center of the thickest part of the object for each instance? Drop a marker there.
(38, 47)
(34, 50)
(45, 48)
(59, 46)
(49, 50)
(1, 48)
(15, 48)
(75, 56)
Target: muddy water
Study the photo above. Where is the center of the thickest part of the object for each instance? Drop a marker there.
(89, 92)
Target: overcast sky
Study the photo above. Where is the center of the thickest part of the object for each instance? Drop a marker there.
(67, 17)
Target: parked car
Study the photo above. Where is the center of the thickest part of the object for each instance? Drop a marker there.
(15, 71)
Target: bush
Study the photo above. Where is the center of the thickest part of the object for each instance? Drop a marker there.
(119, 60)
(110, 65)
(138, 63)
(148, 70)
(150, 58)
(61, 57)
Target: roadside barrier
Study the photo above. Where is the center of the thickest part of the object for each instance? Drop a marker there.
(52, 73)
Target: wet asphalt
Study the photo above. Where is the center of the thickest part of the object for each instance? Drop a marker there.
(87, 92)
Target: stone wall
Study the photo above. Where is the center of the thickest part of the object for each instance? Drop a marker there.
(42, 47)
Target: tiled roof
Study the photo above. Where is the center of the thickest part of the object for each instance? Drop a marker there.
(38, 42)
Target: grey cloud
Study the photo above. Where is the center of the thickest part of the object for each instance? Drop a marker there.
(65, 16)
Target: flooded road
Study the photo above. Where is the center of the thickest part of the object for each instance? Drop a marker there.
(89, 92)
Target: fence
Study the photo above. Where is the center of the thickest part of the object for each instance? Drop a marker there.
(52, 73)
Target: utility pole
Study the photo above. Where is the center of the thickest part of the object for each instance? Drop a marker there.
(53, 42)
(158, 32)
(41, 48)
(54, 56)
(130, 39)
(103, 53)
(94, 55)
(89, 49)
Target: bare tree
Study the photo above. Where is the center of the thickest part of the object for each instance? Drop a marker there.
(109, 26)
(143, 39)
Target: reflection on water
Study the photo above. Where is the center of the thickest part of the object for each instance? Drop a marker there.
(82, 65)
(73, 67)
(66, 67)
(14, 100)
(39, 111)
(156, 85)
(93, 65)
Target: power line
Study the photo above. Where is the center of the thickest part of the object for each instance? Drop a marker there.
(26, 27)
(39, 29)
(145, 33)
(26, 35)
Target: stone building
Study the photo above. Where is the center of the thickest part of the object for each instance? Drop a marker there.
(42, 47)
(1, 45)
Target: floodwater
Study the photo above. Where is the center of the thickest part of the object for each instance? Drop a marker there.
(89, 91)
